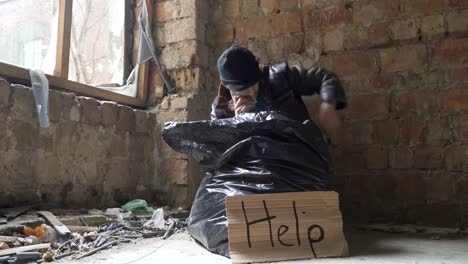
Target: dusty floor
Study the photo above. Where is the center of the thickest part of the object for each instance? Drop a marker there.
(365, 247)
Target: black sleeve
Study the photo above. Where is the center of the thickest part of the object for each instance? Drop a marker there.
(220, 109)
(317, 81)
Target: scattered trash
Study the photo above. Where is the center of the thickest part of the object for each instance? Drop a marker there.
(37, 232)
(137, 206)
(118, 213)
(38, 242)
(157, 220)
(4, 245)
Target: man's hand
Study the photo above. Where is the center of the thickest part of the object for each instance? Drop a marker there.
(329, 118)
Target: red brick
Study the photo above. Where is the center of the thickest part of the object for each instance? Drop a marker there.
(409, 58)
(376, 158)
(367, 106)
(357, 133)
(386, 131)
(456, 157)
(289, 4)
(381, 82)
(166, 10)
(455, 99)
(438, 131)
(461, 185)
(458, 75)
(231, 8)
(270, 6)
(403, 30)
(324, 19)
(179, 30)
(333, 40)
(458, 22)
(450, 52)
(401, 158)
(249, 8)
(253, 27)
(352, 161)
(428, 157)
(355, 63)
(413, 7)
(226, 34)
(416, 102)
(462, 3)
(376, 35)
(368, 12)
(440, 187)
(411, 188)
(411, 130)
(459, 125)
(287, 23)
(433, 26)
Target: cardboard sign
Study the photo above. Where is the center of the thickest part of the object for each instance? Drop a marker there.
(285, 226)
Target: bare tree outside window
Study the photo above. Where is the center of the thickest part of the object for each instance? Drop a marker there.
(98, 42)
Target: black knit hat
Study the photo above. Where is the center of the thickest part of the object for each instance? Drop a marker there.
(238, 68)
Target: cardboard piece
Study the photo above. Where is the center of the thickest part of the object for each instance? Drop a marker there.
(285, 226)
(58, 226)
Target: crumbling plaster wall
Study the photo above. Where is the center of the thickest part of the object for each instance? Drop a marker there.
(401, 155)
(94, 153)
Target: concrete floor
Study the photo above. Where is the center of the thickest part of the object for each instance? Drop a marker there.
(365, 248)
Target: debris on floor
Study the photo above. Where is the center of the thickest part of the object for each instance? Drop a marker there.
(44, 236)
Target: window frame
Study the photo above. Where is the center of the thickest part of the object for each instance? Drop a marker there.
(59, 79)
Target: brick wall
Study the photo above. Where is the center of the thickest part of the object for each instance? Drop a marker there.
(401, 155)
(94, 153)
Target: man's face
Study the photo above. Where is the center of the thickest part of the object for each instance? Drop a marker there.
(245, 100)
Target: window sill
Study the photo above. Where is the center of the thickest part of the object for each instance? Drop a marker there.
(21, 74)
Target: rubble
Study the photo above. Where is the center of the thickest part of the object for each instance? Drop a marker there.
(76, 234)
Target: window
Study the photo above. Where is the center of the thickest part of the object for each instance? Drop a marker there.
(82, 45)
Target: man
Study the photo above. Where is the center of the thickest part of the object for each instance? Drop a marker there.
(245, 87)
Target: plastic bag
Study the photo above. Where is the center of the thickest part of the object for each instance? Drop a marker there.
(137, 206)
(253, 153)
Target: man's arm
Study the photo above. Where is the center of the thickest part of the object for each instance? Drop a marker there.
(220, 106)
(318, 81)
(328, 86)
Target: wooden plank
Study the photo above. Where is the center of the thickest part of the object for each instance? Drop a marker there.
(11, 213)
(143, 74)
(82, 229)
(62, 58)
(15, 250)
(18, 73)
(8, 239)
(285, 226)
(58, 226)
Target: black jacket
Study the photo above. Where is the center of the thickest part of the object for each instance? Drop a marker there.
(283, 86)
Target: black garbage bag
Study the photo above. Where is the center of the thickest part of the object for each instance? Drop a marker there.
(253, 153)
